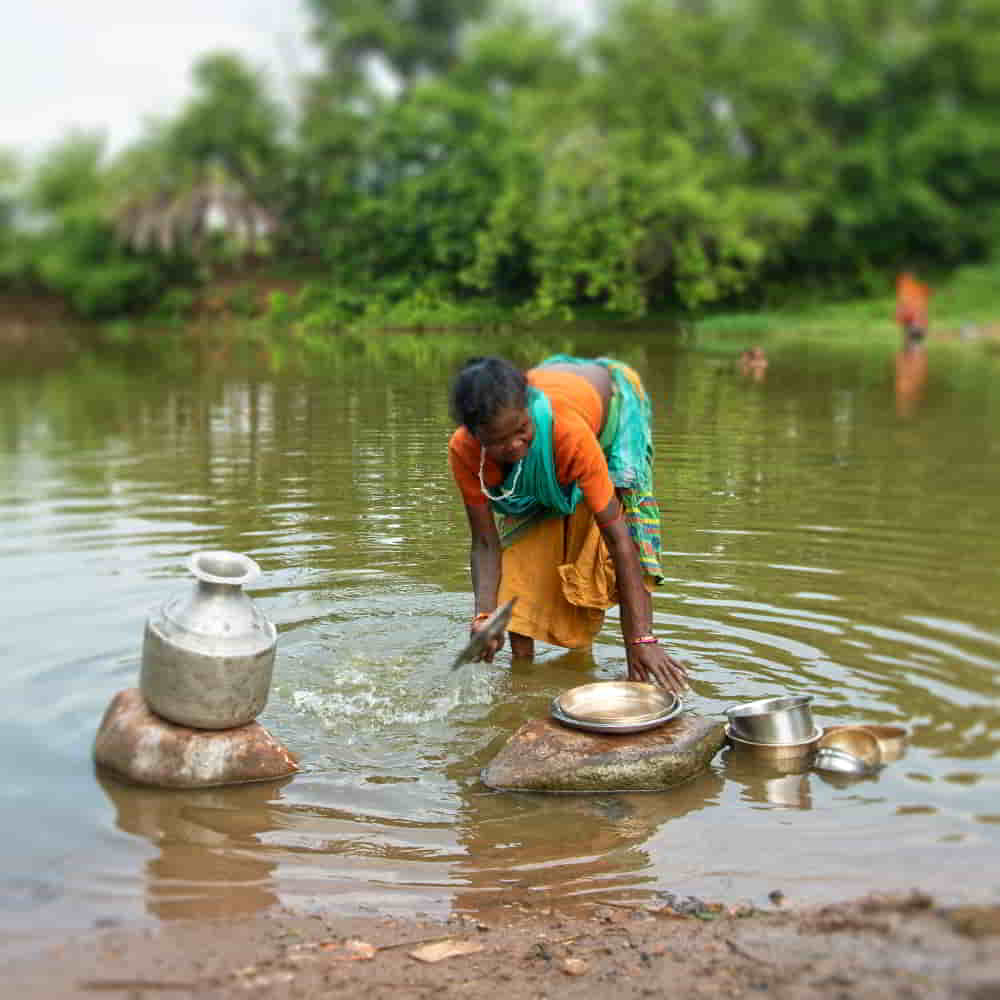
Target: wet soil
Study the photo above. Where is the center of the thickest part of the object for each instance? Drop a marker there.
(37, 330)
(877, 947)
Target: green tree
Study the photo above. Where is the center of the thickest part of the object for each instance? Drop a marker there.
(232, 123)
(374, 55)
(407, 39)
(211, 181)
(688, 152)
(638, 191)
(900, 100)
(12, 260)
(404, 162)
(71, 247)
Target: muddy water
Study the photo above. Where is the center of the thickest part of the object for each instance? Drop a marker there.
(817, 541)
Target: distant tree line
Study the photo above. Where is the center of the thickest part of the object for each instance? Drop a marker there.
(684, 153)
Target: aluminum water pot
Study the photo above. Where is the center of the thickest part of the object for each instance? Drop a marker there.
(208, 654)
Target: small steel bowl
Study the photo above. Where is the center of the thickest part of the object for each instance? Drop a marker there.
(858, 741)
(840, 761)
(891, 739)
(776, 753)
(782, 720)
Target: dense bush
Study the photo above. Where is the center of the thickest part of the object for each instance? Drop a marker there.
(449, 159)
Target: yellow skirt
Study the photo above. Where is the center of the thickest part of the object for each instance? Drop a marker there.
(563, 577)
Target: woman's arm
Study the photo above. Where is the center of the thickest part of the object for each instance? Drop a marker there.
(647, 661)
(484, 567)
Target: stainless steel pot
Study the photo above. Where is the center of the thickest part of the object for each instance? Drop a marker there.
(781, 720)
(208, 655)
(797, 753)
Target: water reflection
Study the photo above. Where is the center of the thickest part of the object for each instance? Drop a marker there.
(522, 847)
(210, 861)
(769, 783)
(753, 363)
(844, 782)
(911, 379)
(525, 847)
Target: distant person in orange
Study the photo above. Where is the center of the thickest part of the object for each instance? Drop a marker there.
(753, 363)
(912, 299)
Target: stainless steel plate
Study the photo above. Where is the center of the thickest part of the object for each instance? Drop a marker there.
(615, 706)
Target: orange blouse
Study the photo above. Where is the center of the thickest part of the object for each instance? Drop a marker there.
(577, 412)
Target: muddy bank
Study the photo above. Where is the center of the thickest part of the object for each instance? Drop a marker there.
(902, 946)
(38, 331)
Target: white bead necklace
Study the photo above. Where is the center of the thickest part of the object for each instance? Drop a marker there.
(504, 494)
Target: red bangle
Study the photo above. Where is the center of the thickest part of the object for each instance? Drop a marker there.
(644, 640)
(482, 616)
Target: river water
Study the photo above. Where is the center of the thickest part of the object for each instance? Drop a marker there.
(818, 540)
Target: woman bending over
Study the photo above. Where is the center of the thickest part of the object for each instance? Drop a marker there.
(555, 468)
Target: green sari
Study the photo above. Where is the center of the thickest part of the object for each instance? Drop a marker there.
(531, 492)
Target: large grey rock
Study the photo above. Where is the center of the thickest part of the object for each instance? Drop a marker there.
(546, 756)
(135, 743)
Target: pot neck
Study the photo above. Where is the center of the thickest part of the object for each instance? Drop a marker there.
(223, 572)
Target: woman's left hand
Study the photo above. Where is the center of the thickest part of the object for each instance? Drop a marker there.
(650, 662)
(647, 660)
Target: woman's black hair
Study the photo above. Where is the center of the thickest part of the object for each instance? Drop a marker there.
(483, 388)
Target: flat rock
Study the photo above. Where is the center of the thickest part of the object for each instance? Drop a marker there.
(135, 743)
(546, 756)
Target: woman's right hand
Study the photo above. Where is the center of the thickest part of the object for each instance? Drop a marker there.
(484, 564)
(493, 645)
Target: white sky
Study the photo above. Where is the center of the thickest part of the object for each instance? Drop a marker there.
(110, 64)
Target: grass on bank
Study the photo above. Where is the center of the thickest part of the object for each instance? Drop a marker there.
(964, 308)
(286, 325)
